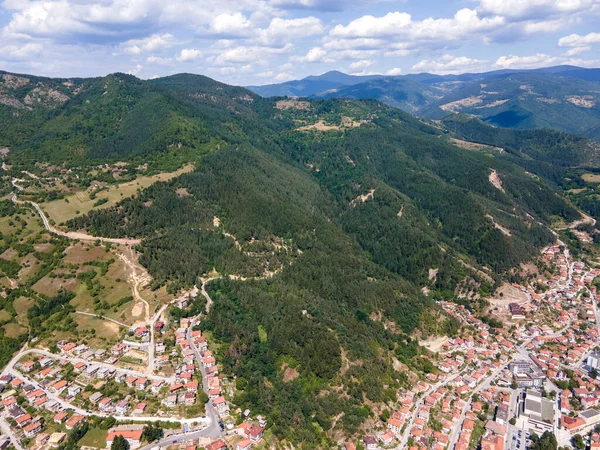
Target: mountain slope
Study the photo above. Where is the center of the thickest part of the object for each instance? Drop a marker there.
(341, 211)
(565, 98)
(527, 101)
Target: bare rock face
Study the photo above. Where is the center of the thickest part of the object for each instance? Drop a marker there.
(14, 81)
(11, 101)
(47, 96)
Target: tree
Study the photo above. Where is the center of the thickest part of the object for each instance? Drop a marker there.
(152, 432)
(119, 443)
(512, 421)
(578, 442)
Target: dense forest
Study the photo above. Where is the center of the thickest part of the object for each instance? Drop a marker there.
(340, 215)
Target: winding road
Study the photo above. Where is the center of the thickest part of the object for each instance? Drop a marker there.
(71, 234)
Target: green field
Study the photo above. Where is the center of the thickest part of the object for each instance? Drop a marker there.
(95, 437)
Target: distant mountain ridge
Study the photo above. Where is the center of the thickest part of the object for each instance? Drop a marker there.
(565, 98)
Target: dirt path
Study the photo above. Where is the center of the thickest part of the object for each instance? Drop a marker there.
(138, 276)
(585, 220)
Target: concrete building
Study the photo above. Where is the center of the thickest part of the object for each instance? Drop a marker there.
(539, 412)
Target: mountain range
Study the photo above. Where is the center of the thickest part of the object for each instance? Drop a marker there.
(565, 98)
(362, 213)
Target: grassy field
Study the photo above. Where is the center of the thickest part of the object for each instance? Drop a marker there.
(21, 305)
(81, 203)
(95, 437)
(14, 330)
(104, 330)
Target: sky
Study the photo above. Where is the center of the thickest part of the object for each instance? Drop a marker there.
(255, 42)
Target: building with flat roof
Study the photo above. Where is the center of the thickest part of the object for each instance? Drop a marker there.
(539, 411)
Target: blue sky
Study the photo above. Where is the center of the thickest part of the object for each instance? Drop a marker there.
(265, 41)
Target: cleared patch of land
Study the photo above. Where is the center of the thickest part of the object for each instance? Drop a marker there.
(80, 203)
(103, 329)
(591, 177)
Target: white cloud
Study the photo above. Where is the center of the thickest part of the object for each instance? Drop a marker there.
(159, 61)
(267, 74)
(394, 71)
(315, 55)
(250, 54)
(360, 65)
(534, 9)
(575, 40)
(527, 62)
(283, 76)
(148, 44)
(282, 30)
(577, 51)
(397, 24)
(541, 60)
(189, 54)
(231, 25)
(449, 64)
(20, 52)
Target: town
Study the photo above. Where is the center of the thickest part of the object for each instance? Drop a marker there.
(499, 387)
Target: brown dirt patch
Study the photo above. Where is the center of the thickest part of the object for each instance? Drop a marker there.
(9, 254)
(43, 248)
(79, 253)
(182, 192)
(510, 294)
(51, 286)
(290, 374)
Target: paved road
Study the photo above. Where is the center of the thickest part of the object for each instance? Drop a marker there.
(5, 427)
(214, 427)
(170, 440)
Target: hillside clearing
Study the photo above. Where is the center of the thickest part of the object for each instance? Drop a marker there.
(80, 203)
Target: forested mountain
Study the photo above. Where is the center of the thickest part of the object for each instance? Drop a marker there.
(565, 98)
(364, 214)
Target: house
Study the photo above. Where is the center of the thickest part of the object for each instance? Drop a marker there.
(75, 420)
(217, 445)
(255, 434)
(244, 444)
(33, 429)
(27, 366)
(133, 437)
(394, 425)
(59, 386)
(170, 401)
(104, 404)
(221, 405)
(139, 408)
(56, 439)
(122, 407)
(189, 398)
(60, 417)
(370, 442)
(95, 397)
(141, 384)
(73, 390)
(192, 386)
(156, 385)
